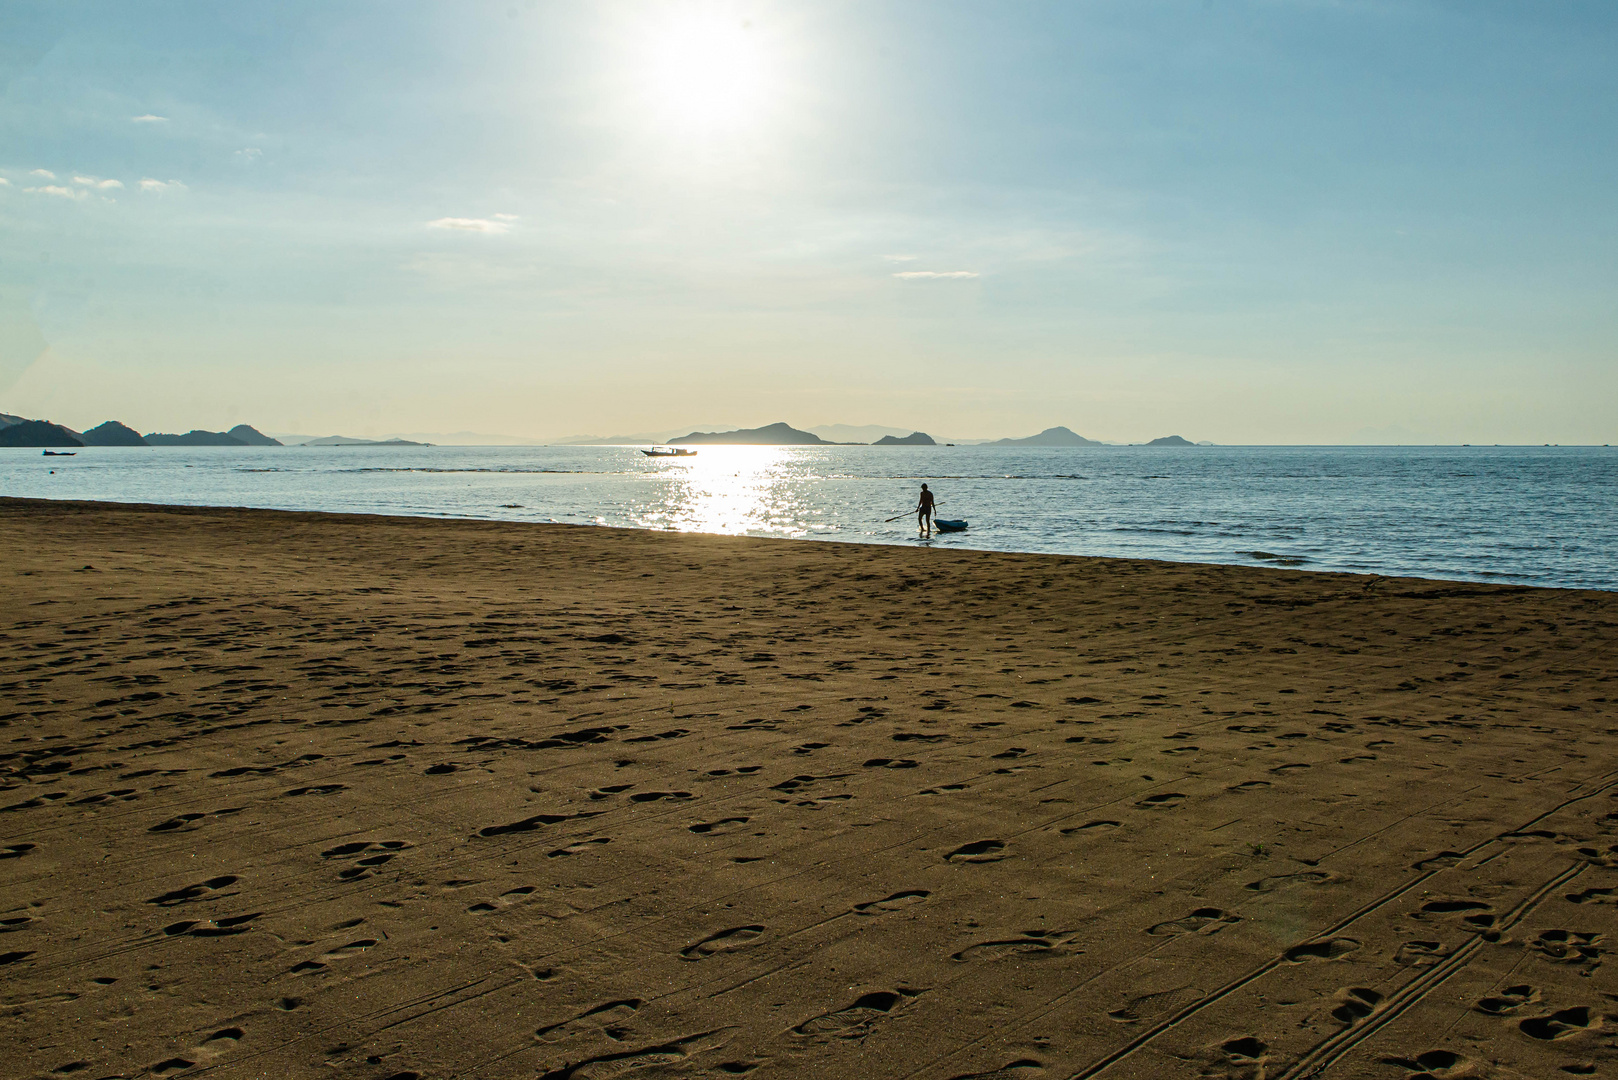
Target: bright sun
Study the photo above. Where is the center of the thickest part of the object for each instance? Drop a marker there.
(703, 73)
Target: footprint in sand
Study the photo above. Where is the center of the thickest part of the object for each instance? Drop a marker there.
(724, 941)
(1330, 949)
(1249, 785)
(1201, 921)
(195, 892)
(1562, 1024)
(1021, 1069)
(607, 1015)
(188, 822)
(1103, 825)
(1436, 1064)
(891, 903)
(238, 924)
(1308, 877)
(1507, 1001)
(15, 851)
(1419, 953)
(1471, 911)
(1593, 896)
(1355, 1003)
(578, 846)
(1247, 1054)
(979, 851)
(854, 1021)
(1031, 943)
(505, 900)
(368, 856)
(1569, 947)
(891, 763)
(342, 952)
(713, 828)
(1164, 801)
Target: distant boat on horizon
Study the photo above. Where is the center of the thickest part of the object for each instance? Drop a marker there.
(669, 451)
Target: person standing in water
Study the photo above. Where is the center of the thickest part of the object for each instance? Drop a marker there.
(924, 511)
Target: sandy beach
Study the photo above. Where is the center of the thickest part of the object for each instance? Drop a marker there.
(291, 795)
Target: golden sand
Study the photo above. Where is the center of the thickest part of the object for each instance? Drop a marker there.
(299, 795)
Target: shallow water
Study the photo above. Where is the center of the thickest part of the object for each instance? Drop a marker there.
(1530, 515)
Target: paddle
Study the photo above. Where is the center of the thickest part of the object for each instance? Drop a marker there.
(909, 512)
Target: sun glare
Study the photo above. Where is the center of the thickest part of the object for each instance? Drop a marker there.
(703, 73)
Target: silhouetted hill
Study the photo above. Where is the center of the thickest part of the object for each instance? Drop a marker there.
(915, 438)
(1056, 436)
(1171, 440)
(771, 435)
(37, 433)
(112, 433)
(193, 437)
(6, 419)
(252, 436)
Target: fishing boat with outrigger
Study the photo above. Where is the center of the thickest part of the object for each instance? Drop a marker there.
(669, 451)
(949, 525)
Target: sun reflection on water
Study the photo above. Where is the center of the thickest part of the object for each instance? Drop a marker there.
(733, 490)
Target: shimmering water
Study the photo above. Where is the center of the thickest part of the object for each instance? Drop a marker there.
(1533, 515)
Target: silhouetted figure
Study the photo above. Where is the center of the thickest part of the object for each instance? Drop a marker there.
(924, 512)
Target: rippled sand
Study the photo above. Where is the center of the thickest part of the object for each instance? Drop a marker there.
(306, 795)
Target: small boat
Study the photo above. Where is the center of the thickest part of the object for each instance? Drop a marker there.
(955, 525)
(58, 453)
(669, 451)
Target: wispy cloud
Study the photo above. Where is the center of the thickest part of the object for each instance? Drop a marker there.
(148, 118)
(57, 190)
(4, 182)
(506, 217)
(924, 275)
(43, 174)
(900, 258)
(249, 153)
(90, 181)
(160, 186)
(482, 225)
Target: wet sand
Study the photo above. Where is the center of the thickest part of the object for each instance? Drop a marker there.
(294, 795)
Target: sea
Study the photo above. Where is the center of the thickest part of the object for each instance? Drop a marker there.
(1543, 516)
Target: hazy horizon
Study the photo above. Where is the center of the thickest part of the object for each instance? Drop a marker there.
(1248, 223)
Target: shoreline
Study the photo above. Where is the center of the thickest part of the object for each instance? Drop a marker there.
(827, 539)
(428, 796)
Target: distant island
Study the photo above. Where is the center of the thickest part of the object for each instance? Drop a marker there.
(38, 433)
(344, 440)
(240, 435)
(1056, 436)
(915, 438)
(780, 434)
(1171, 440)
(20, 431)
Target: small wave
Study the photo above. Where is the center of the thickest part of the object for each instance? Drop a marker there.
(1279, 560)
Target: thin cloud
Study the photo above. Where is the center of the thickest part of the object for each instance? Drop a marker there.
(931, 275)
(43, 174)
(249, 153)
(464, 224)
(57, 190)
(161, 186)
(900, 258)
(506, 217)
(90, 181)
(4, 182)
(148, 118)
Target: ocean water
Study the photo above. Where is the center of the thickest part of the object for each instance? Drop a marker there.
(1530, 515)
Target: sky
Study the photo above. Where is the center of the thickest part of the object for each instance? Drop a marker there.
(1244, 221)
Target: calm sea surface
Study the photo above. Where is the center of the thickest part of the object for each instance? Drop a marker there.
(1531, 515)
